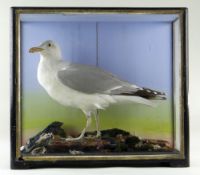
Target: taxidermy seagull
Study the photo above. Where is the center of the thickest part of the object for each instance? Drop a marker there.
(85, 87)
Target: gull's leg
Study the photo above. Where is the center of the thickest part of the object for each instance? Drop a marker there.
(83, 131)
(97, 123)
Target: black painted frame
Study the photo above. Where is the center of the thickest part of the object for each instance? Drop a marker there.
(18, 163)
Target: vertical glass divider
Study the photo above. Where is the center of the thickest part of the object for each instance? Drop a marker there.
(97, 44)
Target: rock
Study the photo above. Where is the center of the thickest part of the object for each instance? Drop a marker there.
(51, 141)
(43, 138)
(109, 133)
(131, 141)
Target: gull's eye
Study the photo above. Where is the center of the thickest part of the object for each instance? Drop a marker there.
(49, 44)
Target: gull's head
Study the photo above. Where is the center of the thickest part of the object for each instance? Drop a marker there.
(47, 48)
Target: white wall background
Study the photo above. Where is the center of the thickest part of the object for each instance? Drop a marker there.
(194, 95)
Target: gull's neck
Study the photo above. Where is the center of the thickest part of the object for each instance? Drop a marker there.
(47, 68)
(52, 60)
(48, 56)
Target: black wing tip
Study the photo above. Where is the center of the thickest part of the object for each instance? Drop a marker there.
(141, 92)
(151, 94)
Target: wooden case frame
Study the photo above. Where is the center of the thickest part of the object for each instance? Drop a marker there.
(180, 74)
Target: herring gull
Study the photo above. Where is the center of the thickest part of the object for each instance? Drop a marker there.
(88, 88)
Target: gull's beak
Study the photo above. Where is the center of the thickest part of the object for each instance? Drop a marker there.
(35, 49)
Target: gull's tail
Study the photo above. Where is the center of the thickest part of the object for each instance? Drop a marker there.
(134, 99)
(144, 96)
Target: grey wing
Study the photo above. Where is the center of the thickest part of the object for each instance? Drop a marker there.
(90, 80)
